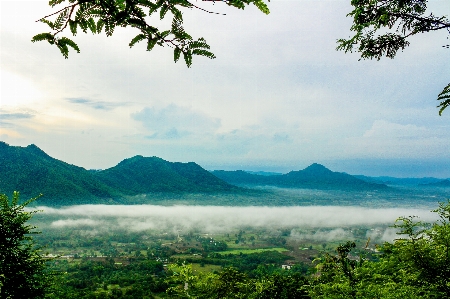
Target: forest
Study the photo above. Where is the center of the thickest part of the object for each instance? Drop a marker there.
(86, 258)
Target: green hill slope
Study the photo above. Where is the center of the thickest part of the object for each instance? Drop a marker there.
(31, 171)
(315, 176)
(139, 174)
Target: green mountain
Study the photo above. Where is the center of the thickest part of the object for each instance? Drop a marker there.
(31, 171)
(315, 176)
(139, 175)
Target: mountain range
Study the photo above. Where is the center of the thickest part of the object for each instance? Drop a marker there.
(31, 171)
(315, 176)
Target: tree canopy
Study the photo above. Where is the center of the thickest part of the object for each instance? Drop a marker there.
(22, 268)
(97, 16)
(383, 27)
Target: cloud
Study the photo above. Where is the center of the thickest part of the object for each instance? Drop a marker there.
(75, 223)
(385, 129)
(221, 219)
(324, 235)
(175, 122)
(100, 105)
(6, 118)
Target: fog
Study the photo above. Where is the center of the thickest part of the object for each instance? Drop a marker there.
(331, 222)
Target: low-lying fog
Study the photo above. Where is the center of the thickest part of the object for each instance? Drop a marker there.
(329, 222)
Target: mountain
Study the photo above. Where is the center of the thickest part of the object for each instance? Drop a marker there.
(31, 171)
(399, 181)
(315, 176)
(442, 183)
(140, 174)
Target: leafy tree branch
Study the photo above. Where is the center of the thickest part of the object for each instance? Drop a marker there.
(97, 16)
(382, 28)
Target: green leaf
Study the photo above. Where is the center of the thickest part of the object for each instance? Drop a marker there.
(200, 43)
(73, 27)
(92, 26)
(49, 23)
(187, 58)
(137, 39)
(445, 97)
(100, 24)
(151, 43)
(70, 43)
(164, 10)
(262, 6)
(62, 46)
(176, 54)
(43, 36)
(176, 13)
(203, 53)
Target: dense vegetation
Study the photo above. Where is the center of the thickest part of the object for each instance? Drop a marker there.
(195, 265)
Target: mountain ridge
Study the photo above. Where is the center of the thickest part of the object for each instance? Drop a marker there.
(31, 171)
(315, 176)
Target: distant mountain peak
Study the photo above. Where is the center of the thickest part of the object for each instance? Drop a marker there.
(33, 148)
(317, 168)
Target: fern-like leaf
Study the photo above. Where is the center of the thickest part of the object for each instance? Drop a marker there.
(70, 43)
(151, 43)
(73, 27)
(199, 44)
(91, 25)
(188, 58)
(49, 23)
(262, 6)
(163, 11)
(176, 54)
(176, 13)
(202, 52)
(100, 24)
(62, 46)
(43, 36)
(444, 96)
(55, 2)
(137, 39)
(61, 19)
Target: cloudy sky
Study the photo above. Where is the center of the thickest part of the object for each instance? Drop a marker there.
(278, 97)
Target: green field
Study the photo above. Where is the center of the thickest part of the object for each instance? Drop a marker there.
(249, 251)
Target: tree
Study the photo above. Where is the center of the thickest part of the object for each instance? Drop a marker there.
(105, 15)
(417, 265)
(383, 27)
(22, 268)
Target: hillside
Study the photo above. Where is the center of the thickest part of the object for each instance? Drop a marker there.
(31, 171)
(315, 176)
(140, 174)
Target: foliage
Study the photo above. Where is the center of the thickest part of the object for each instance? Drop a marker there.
(97, 16)
(106, 279)
(22, 268)
(417, 265)
(231, 283)
(383, 27)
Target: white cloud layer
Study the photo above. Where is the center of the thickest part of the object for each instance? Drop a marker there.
(222, 219)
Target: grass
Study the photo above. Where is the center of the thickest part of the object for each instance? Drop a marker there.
(249, 251)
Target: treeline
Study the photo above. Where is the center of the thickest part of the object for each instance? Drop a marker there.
(417, 265)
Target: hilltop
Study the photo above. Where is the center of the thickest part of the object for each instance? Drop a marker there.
(315, 176)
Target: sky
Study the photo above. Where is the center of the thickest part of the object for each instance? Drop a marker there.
(278, 97)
